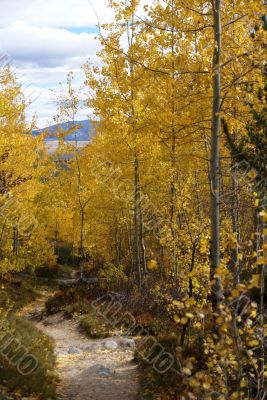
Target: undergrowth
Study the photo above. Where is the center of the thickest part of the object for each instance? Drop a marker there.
(19, 335)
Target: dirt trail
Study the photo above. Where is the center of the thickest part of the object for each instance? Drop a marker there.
(96, 369)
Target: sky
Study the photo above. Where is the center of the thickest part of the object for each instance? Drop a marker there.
(45, 39)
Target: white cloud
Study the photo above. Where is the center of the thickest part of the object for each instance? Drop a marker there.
(42, 57)
(41, 46)
(43, 43)
(43, 40)
(41, 88)
(45, 106)
(55, 13)
(47, 77)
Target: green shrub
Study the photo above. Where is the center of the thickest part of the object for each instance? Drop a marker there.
(95, 326)
(16, 297)
(172, 383)
(27, 338)
(71, 301)
(55, 303)
(78, 308)
(113, 278)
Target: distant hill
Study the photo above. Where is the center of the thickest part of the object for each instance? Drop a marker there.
(83, 133)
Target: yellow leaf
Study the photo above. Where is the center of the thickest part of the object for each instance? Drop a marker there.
(194, 383)
(224, 328)
(254, 282)
(152, 264)
(263, 214)
(260, 261)
(253, 343)
(234, 396)
(243, 383)
(189, 315)
(257, 202)
(206, 385)
(253, 313)
(220, 320)
(186, 371)
(178, 304)
(252, 174)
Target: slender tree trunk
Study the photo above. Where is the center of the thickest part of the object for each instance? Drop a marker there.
(15, 240)
(161, 254)
(173, 209)
(130, 34)
(2, 240)
(192, 266)
(82, 252)
(136, 222)
(262, 310)
(173, 153)
(215, 153)
(142, 237)
(235, 224)
(172, 186)
(142, 243)
(82, 205)
(117, 245)
(130, 247)
(190, 291)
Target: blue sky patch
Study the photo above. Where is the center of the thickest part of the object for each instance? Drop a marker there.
(78, 30)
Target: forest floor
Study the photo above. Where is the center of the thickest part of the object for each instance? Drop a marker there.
(96, 369)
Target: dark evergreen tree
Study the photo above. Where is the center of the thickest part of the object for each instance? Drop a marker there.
(252, 147)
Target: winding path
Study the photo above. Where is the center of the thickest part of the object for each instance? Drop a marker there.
(91, 369)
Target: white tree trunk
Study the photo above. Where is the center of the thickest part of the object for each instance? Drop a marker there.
(215, 150)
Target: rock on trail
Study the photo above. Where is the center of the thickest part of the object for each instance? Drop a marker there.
(91, 369)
